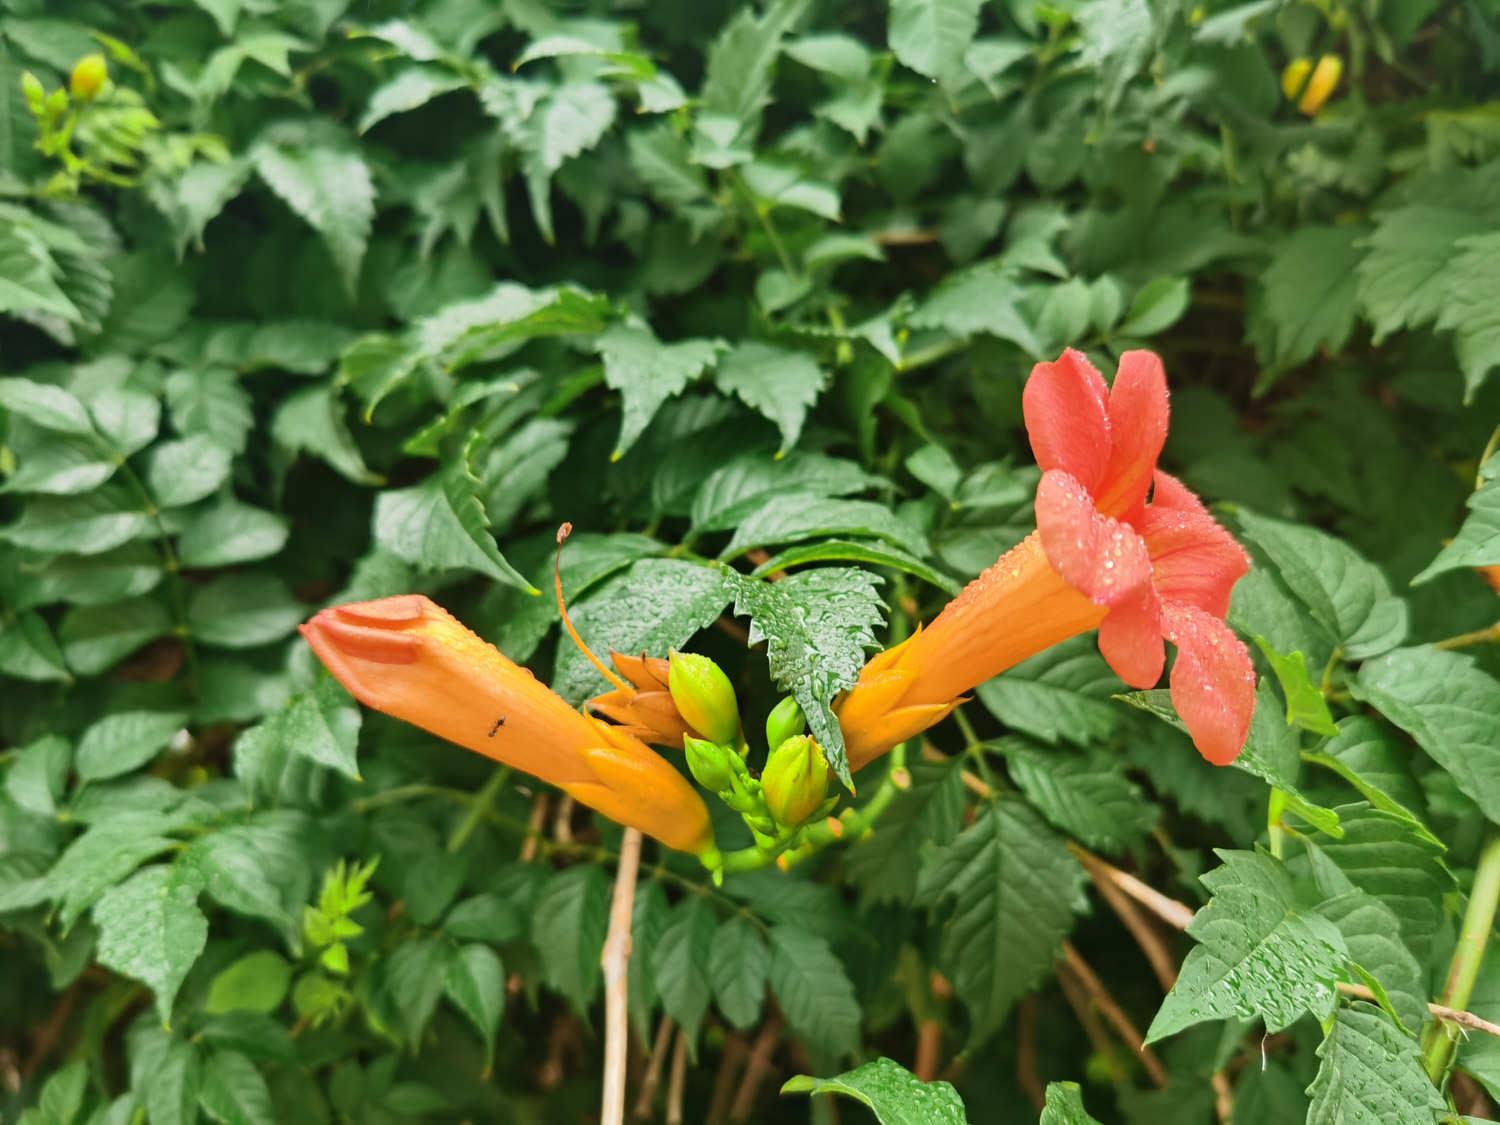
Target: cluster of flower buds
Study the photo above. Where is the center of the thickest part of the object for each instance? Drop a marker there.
(791, 790)
(1311, 83)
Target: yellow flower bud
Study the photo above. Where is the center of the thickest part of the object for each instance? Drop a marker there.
(1325, 77)
(795, 780)
(704, 697)
(785, 721)
(1294, 77)
(90, 73)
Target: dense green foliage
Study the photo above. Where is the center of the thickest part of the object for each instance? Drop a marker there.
(317, 301)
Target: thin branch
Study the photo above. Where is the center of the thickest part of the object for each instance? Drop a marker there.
(677, 1084)
(929, 1049)
(1026, 1070)
(736, 1051)
(1223, 1097)
(1169, 910)
(562, 820)
(1078, 1000)
(1162, 962)
(645, 1100)
(755, 1070)
(615, 961)
(1122, 1023)
(534, 827)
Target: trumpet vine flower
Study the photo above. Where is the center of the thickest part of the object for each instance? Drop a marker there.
(1103, 556)
(409, 658)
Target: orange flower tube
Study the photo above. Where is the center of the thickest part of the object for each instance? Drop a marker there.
(409, 658)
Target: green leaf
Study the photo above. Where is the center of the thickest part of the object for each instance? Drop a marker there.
(187, 470)
(777, 382)
(1372, 933)
(1115, 42)
(680, 965)
(228, 532)
(896, 1096)
(1061, 694)
(737, 78)
(45, 405)
(151, 930)
(1404, 277)
(28, 651)
(441, 524)
(568, 924)
(1473, 320)
(406, 90)
(1367, 755)
(414, 977)
(1258, 954)
(661, 159)
(1157, 306)
(97, 860)
(475, 982)
(931, 36)
(1449, 706)
(813, 990)
(1305, 705)
(169, 1071)
(243, 610)
(233, 1092)
(29, 276)
(1371, 1071)
(86, 525)
(323, 726)
(1478, 540)
(1308, 304)
(124, 741)
(847, 550)
(655, 606)
(210, 402)
(1065, 1106)
(1345, 593)
(817, 625)
(257, 982)
(256, 869)
(984, 298)
(794, 516)
(38, 774)
(571, 120)
(885, 863)
(1082, 794)
(114, 576)
(59, 465)
(647, 372)
(1013, 889)
(738, 965)
(322, 177)
(736, 489)
(97, 637)
(312, 421)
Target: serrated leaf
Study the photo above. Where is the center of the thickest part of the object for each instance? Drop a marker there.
(233, 1091)
(210, 402)
(1367, 755)
(406, 90)
(1258, 954)
(1403, 279)
(1372, 933)
(1064, 1106)
(1473, 320)
(1345, 593)
(985, 298)
(568, 924)
(185, 471)
(1371, 1072)
(1157, 306)
(813, 990)
(738, 964)
(893, 1093)
(653, 607)
(931, 36)
(817, 625)
(413, 978)
(777, 382)
(475, 982)
(1305, 705)
(737, 488)
(795, 516)
(680, 965)
(1309, 296)
(661, 159)
(737, 77)
(256, 869)
(243, 610)
(29, 276)
(1478, 540)
(325, 181)
(847, 550)
(124, 741)
(312, 421)
(1014, 889)
(1115, 40)
(323, 726)
(1085, 795)
(99, 859)
(1061, 694)
(57, 464)
(885, 863)
(151, 930)
(256, 982)
(647, 372)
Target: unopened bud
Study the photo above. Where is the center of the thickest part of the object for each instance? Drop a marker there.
(34, 91)
(1325, 77)
(1294, 77)
(704, 697)
(88, 77)
(785, 721)
(56, 104)
(795, 780)
(708, 762)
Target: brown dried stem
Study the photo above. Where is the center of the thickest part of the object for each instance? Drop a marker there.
(755, 1069)
(615, 961)
(645, 1099)
(1122, 1023)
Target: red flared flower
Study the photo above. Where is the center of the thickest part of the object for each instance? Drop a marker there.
(1163, 570)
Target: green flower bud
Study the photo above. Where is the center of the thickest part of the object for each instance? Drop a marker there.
(708, 762)
(785, 721)
(89, 75)
(795, 780)
(56, 104)
(704, 697)
(35, 92)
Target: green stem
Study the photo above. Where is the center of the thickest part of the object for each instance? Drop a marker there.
(483, 801)
(1441, 1040)
(1488, 635)
(176, 588)
(1275, 807)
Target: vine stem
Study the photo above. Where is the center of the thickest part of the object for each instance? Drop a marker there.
(1441, 1041)
(615, 960)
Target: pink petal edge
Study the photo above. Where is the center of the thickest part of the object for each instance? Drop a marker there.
(1102, 558)
(1213, 682)
(1066, 407)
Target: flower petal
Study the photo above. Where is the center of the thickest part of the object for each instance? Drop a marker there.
(1130, 639)
(1194, 561)
(1101, 558)
(1137, 430)
(1213, 682)
(1067, 418)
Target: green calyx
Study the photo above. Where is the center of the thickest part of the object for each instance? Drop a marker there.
(709, 763)
(704, 697)
(795, 781)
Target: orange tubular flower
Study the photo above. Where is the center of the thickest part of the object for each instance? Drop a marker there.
(648, 712)
(1101, 557)
(409, 658)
